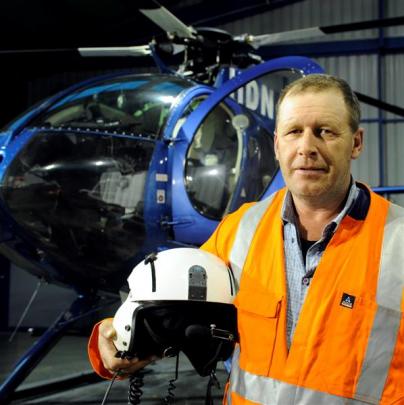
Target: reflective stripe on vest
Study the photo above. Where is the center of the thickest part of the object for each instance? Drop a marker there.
(245, 234)
(385, 327)
(263, 390)
(382, 337)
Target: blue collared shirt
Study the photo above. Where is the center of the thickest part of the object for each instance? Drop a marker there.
(298, 268)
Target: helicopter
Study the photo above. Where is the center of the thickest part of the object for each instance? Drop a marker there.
(101, 174)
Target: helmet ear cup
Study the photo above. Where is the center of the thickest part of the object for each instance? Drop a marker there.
(204, 353)
(201, 346)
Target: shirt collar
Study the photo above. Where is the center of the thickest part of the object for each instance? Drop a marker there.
(288, 212)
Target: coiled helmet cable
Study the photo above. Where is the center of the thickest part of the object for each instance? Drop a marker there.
(136, 383)
(135, 388)
(169, 398)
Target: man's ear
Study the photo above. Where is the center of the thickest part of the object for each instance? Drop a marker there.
(276, 145)
(357, 146)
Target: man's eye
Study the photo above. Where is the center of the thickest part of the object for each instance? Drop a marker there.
(293, 132)
(324, 131)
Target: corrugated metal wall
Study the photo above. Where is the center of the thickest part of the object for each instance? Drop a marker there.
(310, 13)
(360, 70)
(361, 73)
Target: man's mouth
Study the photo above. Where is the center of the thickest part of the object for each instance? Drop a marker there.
(310, 169)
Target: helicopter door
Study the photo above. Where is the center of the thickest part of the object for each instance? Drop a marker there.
(227, 142)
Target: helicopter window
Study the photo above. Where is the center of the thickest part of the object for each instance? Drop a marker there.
(259, 167)
(82, 196)
(211, 163)
(231, 159)
(134, 104)
(190, 107)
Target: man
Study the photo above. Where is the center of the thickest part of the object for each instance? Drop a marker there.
(320, 266)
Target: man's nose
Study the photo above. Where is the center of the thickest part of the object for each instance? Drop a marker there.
(308, 143)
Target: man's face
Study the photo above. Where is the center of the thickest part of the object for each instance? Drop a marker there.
(315, 144)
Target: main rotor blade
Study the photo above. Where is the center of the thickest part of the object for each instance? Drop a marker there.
(140, 50)
(305, 33)
(278, 37)
(380, 104)
(167, 21)
(28, 51)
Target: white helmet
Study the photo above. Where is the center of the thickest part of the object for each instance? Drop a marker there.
(179, 299)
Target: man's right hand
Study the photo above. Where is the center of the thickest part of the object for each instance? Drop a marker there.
(108, 351)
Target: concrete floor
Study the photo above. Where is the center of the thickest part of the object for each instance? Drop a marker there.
(69, 358)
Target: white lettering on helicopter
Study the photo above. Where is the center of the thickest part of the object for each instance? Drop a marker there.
(252, 97)
(267, 102)
(257, 97)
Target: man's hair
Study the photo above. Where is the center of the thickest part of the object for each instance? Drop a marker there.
(321, 82)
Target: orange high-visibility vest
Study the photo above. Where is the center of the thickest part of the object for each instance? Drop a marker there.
(348, 346)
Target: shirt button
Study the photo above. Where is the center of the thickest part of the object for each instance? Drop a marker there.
(305, 281)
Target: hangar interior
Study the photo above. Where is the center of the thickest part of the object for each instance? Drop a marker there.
(371, 61)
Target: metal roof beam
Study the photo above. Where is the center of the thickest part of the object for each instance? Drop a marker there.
(335, 48)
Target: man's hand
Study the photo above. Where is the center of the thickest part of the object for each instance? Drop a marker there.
(108, 350)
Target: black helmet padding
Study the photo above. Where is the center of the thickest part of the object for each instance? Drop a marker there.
(164, 327)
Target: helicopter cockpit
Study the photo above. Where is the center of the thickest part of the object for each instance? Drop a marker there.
(213, 162)
(80, 185)
(133, 105)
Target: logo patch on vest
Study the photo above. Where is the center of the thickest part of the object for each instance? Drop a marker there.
(347, 300)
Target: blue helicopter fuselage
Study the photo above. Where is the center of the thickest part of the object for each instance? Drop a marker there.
(109, 170)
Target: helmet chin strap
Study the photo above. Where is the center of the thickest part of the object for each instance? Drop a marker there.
(213, 381)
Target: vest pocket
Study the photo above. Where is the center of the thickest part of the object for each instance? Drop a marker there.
(258, 317)
(332, 338)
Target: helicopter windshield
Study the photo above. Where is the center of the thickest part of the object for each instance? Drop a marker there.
(134, 104)
(82, 196)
